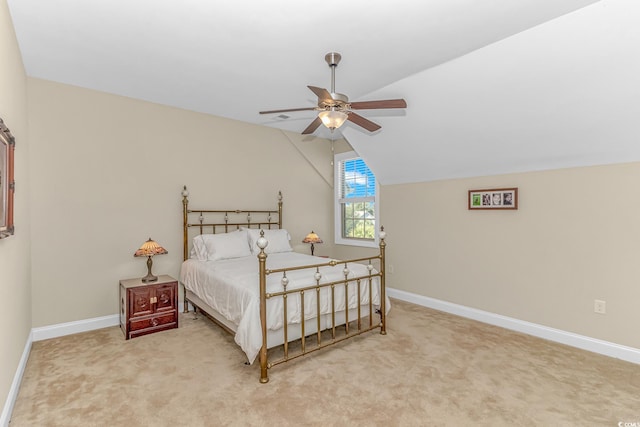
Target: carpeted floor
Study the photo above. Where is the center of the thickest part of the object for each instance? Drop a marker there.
(432, 369)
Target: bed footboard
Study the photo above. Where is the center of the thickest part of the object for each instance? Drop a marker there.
(362, 286)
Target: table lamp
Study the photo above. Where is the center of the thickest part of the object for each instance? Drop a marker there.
(149, 249)
(312, 238)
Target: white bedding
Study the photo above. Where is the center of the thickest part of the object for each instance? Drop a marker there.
(231, 287)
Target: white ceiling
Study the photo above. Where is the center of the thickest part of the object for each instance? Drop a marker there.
(492, 86)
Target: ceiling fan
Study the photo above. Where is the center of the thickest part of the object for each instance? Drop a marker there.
(334, 108)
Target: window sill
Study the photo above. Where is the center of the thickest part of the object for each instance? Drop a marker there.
(355, 242)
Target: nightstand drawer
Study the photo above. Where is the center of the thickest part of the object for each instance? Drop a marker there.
(152, 322)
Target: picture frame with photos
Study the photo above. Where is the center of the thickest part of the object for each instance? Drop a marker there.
(493, 198)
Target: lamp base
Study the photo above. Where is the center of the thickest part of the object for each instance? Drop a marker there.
(149, 277)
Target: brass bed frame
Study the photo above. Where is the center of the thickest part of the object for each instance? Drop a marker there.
(204, 221)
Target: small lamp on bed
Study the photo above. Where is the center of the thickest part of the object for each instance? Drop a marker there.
(149, 249)
(312, 238)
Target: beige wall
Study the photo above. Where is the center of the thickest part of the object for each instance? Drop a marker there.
(573, 239)
(15, 316)
(107, 173)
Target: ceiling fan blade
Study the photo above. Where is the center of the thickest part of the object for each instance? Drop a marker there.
(386, 103)
(322, 94)
(313, 126)
(287, 110)
(361, 121)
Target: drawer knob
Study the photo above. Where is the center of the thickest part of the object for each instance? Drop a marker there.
(154, 322)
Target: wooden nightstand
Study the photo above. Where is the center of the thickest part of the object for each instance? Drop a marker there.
(150, 307)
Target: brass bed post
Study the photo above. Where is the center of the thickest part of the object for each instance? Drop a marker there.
(185, 242)
(383, 297)
(279, 209)
(262, 259)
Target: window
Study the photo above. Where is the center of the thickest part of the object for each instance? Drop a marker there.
(356, 209)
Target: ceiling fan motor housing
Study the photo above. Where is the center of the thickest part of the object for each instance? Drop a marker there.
(340, 102)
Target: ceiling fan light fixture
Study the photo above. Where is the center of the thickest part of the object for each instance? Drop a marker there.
(333, 118)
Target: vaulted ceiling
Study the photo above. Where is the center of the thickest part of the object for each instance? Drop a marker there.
(492, 86)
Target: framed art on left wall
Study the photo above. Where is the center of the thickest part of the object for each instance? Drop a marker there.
(7, 183)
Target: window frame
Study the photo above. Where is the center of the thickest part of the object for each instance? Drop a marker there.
(337, 208)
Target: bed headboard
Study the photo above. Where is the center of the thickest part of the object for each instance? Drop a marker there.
(209, 221)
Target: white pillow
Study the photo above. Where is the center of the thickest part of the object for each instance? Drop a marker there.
(278, 241)
(213, 247)
(194, 254)
(198, 249)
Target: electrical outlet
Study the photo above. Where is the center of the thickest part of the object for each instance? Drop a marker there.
(390, 268)
(600, 306)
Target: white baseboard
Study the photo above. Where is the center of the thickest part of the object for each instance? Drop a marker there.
(594, 345)
(5, 417)
(62, 329)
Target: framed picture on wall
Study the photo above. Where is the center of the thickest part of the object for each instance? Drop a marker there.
(7, 184)
(493, 198)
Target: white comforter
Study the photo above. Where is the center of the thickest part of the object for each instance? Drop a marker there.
(232, 288)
